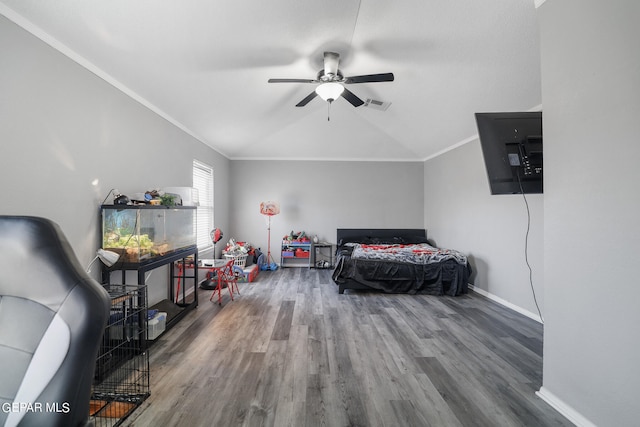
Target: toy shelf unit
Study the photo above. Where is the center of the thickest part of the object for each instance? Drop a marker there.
(295, 254)
(121, 380)
(323, 255)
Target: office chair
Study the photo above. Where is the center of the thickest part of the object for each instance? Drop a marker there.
(52, 318)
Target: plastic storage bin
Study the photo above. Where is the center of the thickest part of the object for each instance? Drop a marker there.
(249, 274)
(143, 233)
(156, 325)
(301, 253)
(127, 328)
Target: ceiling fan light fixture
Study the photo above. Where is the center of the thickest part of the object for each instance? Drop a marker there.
(329, 91)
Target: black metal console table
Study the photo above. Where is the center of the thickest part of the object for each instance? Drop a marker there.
(177, 304)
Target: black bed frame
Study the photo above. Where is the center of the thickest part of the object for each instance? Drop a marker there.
(342, 233)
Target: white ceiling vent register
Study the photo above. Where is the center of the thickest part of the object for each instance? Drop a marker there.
(378, 105)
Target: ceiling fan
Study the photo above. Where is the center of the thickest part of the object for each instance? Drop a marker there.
(331, 82)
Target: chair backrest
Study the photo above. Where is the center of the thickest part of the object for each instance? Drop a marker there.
(227, 270)
(52, 317)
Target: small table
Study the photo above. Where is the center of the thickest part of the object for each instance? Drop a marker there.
(320, 259)
(215, 266)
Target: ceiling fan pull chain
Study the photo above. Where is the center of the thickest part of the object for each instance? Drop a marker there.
(328, 111)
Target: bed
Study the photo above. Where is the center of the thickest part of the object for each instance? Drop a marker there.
(397, 261)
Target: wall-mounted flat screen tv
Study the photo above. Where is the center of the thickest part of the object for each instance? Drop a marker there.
(512, 149)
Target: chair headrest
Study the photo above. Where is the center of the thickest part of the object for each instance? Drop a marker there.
(35, 249)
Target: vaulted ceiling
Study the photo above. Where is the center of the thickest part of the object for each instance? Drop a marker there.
(204, 65)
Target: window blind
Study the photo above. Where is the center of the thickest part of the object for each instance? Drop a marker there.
(203, 182)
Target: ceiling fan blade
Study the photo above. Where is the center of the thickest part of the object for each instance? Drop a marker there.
(292, 81)
(353, 99)
(306, 100)
(370, 78)
(331, 61)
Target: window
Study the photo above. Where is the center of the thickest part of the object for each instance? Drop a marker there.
(203, 182)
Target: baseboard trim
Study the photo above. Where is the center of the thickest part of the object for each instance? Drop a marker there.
(565, 410)
(549, 398)
(506, 303)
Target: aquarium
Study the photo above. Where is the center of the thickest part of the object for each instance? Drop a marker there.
(144, 233)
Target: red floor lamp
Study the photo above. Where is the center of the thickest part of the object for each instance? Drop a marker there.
(269, 209)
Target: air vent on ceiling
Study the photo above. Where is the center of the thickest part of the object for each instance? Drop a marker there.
(378, 105)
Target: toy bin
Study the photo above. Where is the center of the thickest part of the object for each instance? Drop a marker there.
(156, 325)
(301, 253)
(249, 274)
(240, 260)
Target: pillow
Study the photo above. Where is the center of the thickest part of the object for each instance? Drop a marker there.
(416, 240)
(354, 239)
(387, 240)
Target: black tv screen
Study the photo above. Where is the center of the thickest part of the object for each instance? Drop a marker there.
(512, 149)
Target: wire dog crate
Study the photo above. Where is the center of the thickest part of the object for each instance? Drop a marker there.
(121, 381)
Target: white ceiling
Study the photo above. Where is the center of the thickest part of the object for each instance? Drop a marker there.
(204, 65)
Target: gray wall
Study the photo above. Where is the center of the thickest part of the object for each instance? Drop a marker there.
(461, 213)
(67, 137)
(591, 98)
(320, 196)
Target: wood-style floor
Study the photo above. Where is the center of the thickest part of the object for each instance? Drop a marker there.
(291, 351)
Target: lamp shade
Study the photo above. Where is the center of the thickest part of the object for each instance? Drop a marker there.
(108, 258)
(269, 208)
(330, 91)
